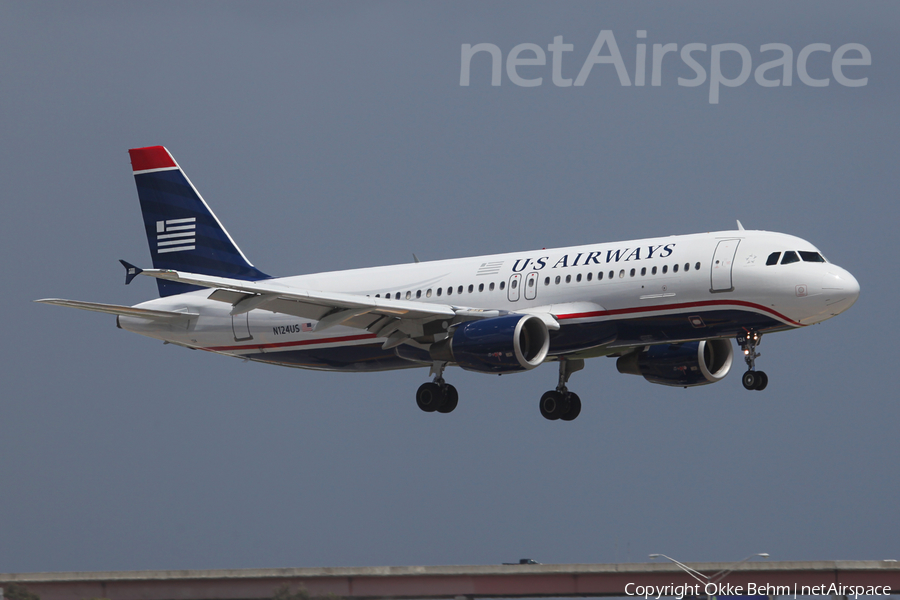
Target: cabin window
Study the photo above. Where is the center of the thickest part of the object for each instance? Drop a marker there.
(611, 273)
(675, 268)
(378, 295)
(408, 295)
(621, 273)
(450, 290)
(599, 275)
(531, 282)
(428, 294)
(480, 287)
(491, 287)
(631, 273)
(665, 269)
(578, 278)
(558, 279)
(790, 257)
(589, 276)
(439, 291)
(502, 285)
(696, 266)
(459, 290)
(811, 257)
(653, 271)
(471, 288)
(514, 283)
(418, 293)
(546, 281)
(773, 258)
(568, 279)
(643, 271)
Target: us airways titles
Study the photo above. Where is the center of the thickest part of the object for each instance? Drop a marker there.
(583, 259)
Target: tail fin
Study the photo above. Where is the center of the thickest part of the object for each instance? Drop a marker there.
(183, 233)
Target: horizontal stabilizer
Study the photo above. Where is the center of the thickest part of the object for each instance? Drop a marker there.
(115, 309)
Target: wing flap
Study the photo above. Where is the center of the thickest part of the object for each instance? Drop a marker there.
(313, 312)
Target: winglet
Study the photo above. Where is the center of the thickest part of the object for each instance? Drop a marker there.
(740, 227)
(131, 271)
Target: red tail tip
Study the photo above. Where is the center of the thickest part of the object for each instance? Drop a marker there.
(152, 157)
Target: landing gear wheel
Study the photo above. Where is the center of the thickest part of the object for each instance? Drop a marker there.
(429, 397)
(552, 405)
(755, 380)
(574, 407)
(749, 380)
(451, 399)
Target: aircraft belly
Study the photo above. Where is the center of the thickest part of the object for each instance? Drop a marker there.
(359, 358)
(698, 325)
(580, 336)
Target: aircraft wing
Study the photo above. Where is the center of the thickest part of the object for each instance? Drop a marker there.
(397, 320)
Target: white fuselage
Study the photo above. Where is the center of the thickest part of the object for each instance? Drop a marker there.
(611, 295)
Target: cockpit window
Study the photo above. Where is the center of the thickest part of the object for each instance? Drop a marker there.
(790, 257)
(773, 258)
(811, 257)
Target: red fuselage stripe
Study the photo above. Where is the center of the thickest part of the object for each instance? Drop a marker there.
(683, 305)
(584, 315)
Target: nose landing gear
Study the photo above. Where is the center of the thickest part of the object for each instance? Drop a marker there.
(437, 395)
(561, 403)
(752, 379)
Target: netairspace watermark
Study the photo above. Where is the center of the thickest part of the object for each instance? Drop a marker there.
(752, 589)
(696, 56)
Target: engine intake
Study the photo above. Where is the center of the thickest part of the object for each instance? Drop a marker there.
(681, 365)
(498, 345)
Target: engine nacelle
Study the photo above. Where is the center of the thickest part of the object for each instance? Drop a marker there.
(680, 365)
(498, 345)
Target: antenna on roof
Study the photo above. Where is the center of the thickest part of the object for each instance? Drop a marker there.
(740, 227)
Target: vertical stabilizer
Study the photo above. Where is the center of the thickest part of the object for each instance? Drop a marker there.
(182, 231)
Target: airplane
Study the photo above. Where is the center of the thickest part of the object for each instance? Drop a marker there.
(666, 308)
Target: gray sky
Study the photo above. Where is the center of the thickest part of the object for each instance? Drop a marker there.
(332, 136)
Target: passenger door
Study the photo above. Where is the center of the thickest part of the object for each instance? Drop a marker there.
(722, 263)
(240, 326)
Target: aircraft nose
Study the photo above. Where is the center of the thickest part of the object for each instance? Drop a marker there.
(852, 287)
(841, 290)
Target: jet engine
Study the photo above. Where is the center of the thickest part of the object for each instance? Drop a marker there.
(686, 364)
(497, 345)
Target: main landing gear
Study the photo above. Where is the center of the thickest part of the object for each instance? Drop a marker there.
(561, 403)
(752, 379)
(437, 395)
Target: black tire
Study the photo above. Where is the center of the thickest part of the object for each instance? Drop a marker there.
(749, 380)
(574, 407)
(762, 380)
(451, 399)
(552, 405)
(429, 397)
